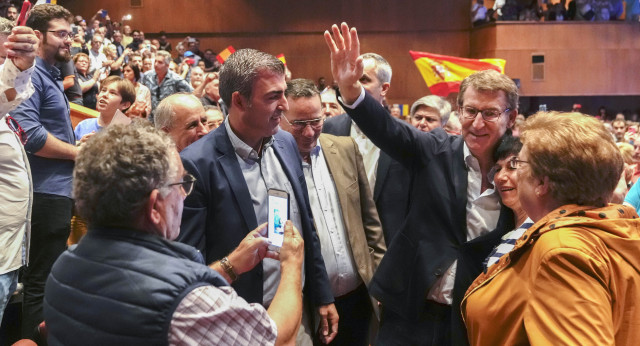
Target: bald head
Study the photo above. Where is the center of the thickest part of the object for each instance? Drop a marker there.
(182, 117)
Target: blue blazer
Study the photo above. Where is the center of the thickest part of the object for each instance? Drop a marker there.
(219, 213)
(434, 231)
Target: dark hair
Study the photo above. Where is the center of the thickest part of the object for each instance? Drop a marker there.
(134, 67)
(41, 15)
(241, 70)
(509, 145)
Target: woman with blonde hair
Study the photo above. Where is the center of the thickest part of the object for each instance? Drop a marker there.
(573, 278)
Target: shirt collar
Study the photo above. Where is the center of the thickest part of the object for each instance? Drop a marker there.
(53, 71)
(469, 160)
(241, 148)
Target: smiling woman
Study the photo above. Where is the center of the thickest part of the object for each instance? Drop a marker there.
(573, 276)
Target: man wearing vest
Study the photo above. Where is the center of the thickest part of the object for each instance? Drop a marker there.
(128, 282)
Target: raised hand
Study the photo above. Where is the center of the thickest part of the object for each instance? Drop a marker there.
(22, 46)
(346, 64)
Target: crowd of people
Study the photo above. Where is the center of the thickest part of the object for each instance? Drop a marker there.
(555, 10)
(463, 224)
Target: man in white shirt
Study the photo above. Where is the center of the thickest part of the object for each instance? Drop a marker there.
(15, 178)
(97, 58)
(343, 210)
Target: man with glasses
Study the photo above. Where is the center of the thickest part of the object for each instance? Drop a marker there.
(51, 151)
(453, 205)
(128, 281)
(235, 166)
(97, 58)
(345, 215)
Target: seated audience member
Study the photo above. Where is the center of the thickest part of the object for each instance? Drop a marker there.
(88, 80)
(115, 68)
(147, 64)
(162, 82)
(15, 179)
(196, 77)
(182, 116)
(214, 117)
(142, 106)
(211, 95)
(12, 13)
(577, 268)
(330, 105)
(395, 112)
(342, 206)
(453, 125)
(97, 59)
(429, 112)
(626, 150)
(619, 129)
(129, 282)
(116, 94)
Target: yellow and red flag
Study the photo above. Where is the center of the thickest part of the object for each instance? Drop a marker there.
(224, 55)
(282, 58)
(443, 73)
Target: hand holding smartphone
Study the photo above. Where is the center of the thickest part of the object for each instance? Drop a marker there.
(278, 205)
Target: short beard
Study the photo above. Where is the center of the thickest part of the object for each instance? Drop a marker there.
(62, 57)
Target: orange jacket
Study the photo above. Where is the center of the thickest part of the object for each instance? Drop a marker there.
(573, 278)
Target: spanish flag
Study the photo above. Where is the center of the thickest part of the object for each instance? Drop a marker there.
(224, 55)
(443, 73)
(282, 58)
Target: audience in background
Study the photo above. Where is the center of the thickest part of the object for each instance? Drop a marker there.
(430, 112)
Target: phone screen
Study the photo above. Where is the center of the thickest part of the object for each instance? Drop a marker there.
(278, 205)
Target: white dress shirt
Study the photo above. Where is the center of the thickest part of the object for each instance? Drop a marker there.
(15, 179)
(329, 222)
(483, 211)
(261, 174)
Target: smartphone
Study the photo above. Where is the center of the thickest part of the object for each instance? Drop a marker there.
(74, 29)
(24, 13)
(278, 204)
(104, 13)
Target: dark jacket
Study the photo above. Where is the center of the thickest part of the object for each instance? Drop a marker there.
(121, 287)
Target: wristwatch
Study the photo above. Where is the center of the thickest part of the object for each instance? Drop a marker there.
(228, 268)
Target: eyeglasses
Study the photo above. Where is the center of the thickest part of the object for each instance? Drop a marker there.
(15, 127)
(187, 184)
(514, 163)
(299, 125)
(489, 115)
(63, 34)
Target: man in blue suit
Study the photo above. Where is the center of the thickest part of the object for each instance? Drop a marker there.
(235, 166)
(454, 214)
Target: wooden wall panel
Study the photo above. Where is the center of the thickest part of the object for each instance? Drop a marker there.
(389, 28)
(581, 59)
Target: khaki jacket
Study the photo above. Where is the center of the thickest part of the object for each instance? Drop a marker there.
(573, 278)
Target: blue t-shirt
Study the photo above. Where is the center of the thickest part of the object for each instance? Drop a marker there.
(86, 126)
(633, 196)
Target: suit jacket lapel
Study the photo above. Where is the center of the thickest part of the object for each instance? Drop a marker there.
(229, 162)
(460, 180)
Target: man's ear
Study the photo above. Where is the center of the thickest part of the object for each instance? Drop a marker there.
(38, 35)
(152, 208)
(385, 88)
(238, 101)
